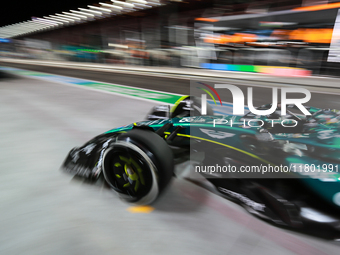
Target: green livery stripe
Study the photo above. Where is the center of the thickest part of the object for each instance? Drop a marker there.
(138, 93)
(177, 103)
(135, 92)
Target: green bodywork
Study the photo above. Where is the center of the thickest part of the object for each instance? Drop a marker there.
(319, 147)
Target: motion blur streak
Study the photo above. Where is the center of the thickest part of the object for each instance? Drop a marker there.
(260, 44)
(284, 38)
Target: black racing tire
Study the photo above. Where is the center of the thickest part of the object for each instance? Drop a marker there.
(148, 166)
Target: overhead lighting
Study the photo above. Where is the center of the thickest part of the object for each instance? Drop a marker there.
(123, 3)
(154, 2)
(83, 13)
(43, 22)
(7, 27)
(29, 24)
(57, 19)
(49, 26)
(6, 35)
(111, 6)
(75, 15)
(48, 21)
(87, 10)
(17, 30)
(39, 25)
(143, 5)
(21, 30)
(99, 8)
(10, 26)
(138, 1)
(68, 17)
(63, 18)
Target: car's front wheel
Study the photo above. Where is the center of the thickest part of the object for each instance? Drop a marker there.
(138, 165)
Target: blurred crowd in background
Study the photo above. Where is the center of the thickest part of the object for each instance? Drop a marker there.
(222, 35)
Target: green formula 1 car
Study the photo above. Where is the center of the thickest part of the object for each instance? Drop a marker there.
(282, 169)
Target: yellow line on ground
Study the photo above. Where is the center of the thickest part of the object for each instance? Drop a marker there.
(141, 209)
